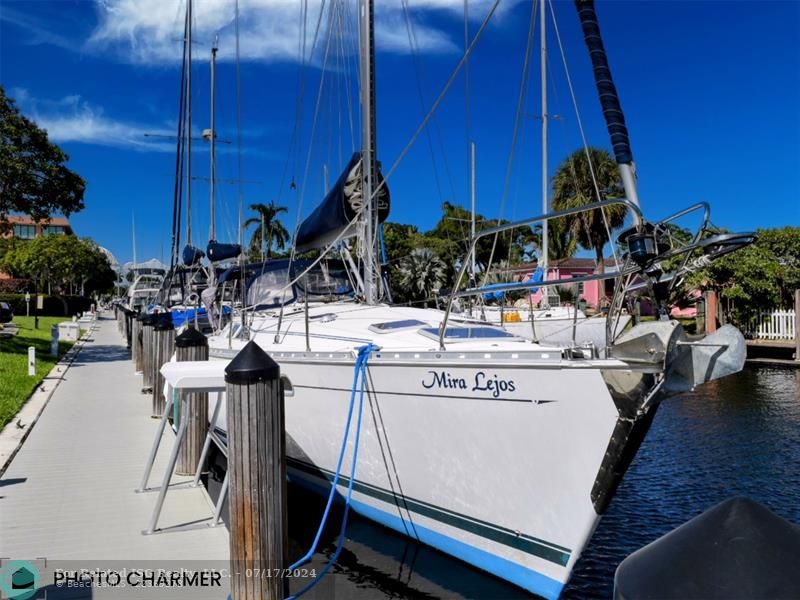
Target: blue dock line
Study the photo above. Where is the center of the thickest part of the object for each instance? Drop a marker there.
(360, 370)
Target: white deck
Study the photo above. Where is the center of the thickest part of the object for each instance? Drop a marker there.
(69, 493)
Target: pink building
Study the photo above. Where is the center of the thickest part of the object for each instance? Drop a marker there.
(590, 291)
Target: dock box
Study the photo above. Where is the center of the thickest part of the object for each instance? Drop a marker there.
(68, 331)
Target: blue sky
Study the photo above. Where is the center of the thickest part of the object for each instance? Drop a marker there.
(711, 93)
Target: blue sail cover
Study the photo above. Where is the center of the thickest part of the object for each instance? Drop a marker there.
(184, 315)
(218, 252)
(538, 275)
(192, 255)
(330, 219)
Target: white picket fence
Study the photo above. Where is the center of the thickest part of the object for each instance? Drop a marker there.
(773, 325)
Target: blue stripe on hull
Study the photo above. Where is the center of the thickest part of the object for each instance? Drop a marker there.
(524, 577)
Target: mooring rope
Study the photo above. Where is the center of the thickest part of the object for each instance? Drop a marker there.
(360, 371)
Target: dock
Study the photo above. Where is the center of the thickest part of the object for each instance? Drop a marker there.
(68, 499)
(773, 353)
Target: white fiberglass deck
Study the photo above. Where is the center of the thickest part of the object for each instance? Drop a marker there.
(69, 493)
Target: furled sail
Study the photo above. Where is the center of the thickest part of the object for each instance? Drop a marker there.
(332, 217)
(609, 99)
(217, 251)
(192, 255)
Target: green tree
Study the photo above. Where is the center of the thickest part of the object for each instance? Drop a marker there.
(61, 264)
(573, 187)
(560, 241)
(269, 230)
(454, 229)
(399, 240)
(33, 176)
(421, 275)
(759, 277)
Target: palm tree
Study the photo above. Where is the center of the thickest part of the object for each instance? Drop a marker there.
(268, 229)
(560, 241)
(421, 274)
(573, 187)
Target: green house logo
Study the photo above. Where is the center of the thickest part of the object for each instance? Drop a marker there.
(19, 580)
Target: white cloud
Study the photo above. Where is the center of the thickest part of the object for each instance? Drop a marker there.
(149, 31)
(72, 119)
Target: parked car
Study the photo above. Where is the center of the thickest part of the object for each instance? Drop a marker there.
(6, 312)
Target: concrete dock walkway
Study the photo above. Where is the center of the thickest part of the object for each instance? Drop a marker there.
(68, 496)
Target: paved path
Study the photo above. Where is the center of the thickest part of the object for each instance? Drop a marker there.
(69, 493)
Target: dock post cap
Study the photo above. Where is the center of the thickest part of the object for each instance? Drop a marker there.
(191, 338)
(163, 322)
(251, 365)
(148, 319)
(736, 549)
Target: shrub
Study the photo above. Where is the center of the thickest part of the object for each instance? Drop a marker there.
(54, 306)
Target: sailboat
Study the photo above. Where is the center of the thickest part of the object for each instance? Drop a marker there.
(496, 450)
(189, 288)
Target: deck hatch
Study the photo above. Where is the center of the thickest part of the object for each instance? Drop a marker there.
(462, 334)
(389, 326)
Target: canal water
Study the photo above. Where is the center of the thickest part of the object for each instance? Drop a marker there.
(735, 437)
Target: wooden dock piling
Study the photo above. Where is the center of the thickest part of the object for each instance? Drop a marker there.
(191, 345)
(257, 473)
(147, 353)
(136, 343)
(163, 347)
(128, 320)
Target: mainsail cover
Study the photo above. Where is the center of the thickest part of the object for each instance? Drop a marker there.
(331, 218)
(218, 252)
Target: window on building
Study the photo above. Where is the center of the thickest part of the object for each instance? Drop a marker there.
(25, 232)
(48, 229)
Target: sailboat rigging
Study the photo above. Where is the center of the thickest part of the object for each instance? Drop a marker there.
(502, 451)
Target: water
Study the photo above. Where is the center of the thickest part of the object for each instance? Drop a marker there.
(735, 437)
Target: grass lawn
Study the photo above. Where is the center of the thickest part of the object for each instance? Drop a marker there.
(16, 385)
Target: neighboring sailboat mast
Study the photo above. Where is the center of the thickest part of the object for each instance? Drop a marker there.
(472, 212)
(189, 123)
(369, 217)
(133, 239)
(212, 143)
(545, 117)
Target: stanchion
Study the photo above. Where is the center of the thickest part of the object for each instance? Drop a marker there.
(191, 345)
(163, 347)
(257, 473)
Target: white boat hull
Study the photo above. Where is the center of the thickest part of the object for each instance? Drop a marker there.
(492, 461)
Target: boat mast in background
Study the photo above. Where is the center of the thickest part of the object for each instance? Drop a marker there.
(545, 201)
(472, 219)
(212, 141)
(609, 100)
(189, 123)
(133, 237)
(369, 213)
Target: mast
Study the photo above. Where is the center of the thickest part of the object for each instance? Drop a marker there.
(609, 100)
(133, 238)
(472, 195)
(213, 171)
(189, 124)
(368, 170)
(545, 203)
